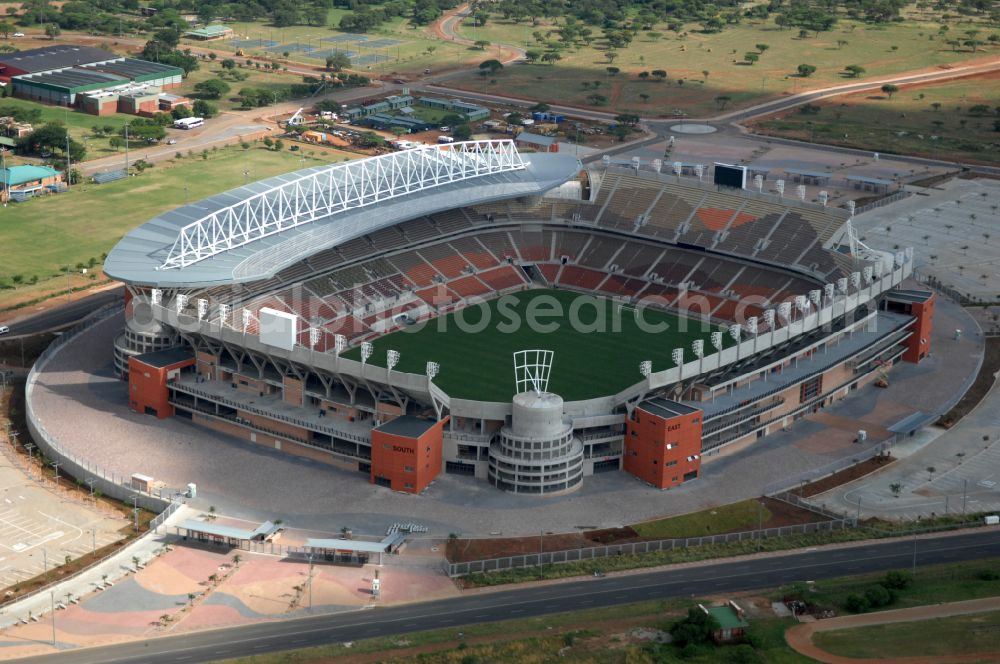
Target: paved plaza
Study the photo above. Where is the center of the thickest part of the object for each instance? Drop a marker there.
(189, 588)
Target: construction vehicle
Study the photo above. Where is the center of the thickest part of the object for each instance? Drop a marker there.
(296, 119)
(883, 374)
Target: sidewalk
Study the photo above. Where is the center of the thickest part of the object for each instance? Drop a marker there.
(114, 568)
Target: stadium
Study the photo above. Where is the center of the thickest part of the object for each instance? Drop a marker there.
(517, 318)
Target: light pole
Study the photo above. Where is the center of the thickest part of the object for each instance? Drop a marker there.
(760, 524)
(541, 549)
(310, 581)
(126, 149)
(52, 604)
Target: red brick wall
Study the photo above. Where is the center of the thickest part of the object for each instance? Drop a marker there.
(147, 386)
(645, 451)
(918, 346)
(409, 463)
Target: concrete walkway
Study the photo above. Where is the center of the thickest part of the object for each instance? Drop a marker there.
(111, 570)
(800, 636)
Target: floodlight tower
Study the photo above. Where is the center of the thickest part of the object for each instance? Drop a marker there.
(698, 346)
(391, 360)
(366, 352)
(433, 369)
(780, 186)
(646, 368)
(246, 320)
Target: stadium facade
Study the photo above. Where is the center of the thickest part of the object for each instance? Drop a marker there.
(243, 309)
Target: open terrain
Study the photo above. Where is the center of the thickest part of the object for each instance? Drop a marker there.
(707, 73)
(581, 329)
(956, 635)
(953, 120)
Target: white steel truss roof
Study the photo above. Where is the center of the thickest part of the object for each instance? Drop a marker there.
(339, 188)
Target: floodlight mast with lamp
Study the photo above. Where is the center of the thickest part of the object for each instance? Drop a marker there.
(532, 369)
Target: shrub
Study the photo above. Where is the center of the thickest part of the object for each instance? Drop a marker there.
(856, 603)
(988, 575)
(879, 596)
(897, 580)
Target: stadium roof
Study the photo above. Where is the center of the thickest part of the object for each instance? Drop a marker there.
(141, 256)
(57, 56)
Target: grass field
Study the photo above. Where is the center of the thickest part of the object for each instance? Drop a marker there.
(907, 45)
(261, 79)
(907, 123)
(958, 635)
(43, 235)
(596, 357)
(417, 50)
(744, 515)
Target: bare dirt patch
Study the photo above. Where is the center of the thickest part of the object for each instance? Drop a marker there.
(844, 476)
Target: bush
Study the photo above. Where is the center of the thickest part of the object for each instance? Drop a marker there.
(988, 575)
(694, 629)
(896, 580)
(879, 596)
(743, 654)
(690, 651)
(856, 603)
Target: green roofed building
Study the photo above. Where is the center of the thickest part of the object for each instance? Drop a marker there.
(209, 32)
(732, 624)
(20, 182)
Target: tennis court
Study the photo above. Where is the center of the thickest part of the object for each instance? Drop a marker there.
(346, 37)
(294, 47)
(252, 43)
(326, 52)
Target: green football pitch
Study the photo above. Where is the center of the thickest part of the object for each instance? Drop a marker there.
(598, 344)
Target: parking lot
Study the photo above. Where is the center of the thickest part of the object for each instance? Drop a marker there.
(40, 527)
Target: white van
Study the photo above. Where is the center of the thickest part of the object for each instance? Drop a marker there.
(4, 329)
(445, 139)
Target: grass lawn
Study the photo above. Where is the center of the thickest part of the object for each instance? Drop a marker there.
(78, 122)
(744, 515)
(42, 235)
(257, 78)
(907, 123)
(475, 346)
(958, 635)
(687, 56)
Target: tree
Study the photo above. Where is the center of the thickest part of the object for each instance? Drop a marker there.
(890, 89)
(462, 132)
(762, 47)
(337, 62)
(597, 99)
(532, 56)
(722, 100)
(896, 488)
(551, 57)
(841, 43)
(116, 142)
(213, 88)
(621, 132)
(931, 469)
(695, 629)
(612, 71)
(610, 56)
(481, 44)
(805, 71)
(203, 109)
(855, 71)
(492, 66)
(750, 57)
(6, 27)
(659, 74)
(51, 137)
(228, 63)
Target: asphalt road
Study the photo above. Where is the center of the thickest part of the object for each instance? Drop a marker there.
(743, 575)
(64, 315)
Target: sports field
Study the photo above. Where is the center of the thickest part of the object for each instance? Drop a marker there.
(598, 344)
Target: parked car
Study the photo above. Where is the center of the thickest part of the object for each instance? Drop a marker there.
(445, 128)
(4, 330)
(18, 34)
(172, 141)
